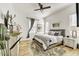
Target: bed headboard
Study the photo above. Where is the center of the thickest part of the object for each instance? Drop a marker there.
(60, 30)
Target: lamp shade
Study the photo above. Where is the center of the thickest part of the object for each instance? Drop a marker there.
(74, 31)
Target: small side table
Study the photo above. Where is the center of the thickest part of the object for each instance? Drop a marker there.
(71, 42)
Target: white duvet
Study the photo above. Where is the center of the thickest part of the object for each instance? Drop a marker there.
(47, 40)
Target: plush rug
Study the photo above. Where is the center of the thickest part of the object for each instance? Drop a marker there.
(54, 51)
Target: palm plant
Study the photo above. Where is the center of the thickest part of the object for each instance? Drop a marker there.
(3, 32)
(7, 17)
(3, 38)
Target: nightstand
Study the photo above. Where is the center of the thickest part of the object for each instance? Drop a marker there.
(71, 42)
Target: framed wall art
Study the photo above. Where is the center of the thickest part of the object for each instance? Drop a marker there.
(56, 25)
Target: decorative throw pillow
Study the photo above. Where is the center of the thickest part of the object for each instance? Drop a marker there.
(56, 34)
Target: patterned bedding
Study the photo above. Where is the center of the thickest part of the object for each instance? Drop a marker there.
(47, 40)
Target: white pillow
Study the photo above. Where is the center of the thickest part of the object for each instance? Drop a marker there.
(51, 33)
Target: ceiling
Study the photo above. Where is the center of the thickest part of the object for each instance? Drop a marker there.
(28, 8)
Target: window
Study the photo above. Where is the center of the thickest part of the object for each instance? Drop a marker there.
(73, 20)
(73, 23)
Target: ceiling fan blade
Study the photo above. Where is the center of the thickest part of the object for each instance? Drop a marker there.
(39, 4)
(41, 7)
(46, 7)
(37, 9)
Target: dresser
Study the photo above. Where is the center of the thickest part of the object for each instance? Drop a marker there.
(70, 42)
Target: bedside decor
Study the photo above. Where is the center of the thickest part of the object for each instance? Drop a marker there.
(74, 31)
(67, 36)
(70, 42)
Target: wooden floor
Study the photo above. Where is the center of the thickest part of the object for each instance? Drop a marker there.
(24, 49)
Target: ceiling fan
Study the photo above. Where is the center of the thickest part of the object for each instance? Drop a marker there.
(41, 7)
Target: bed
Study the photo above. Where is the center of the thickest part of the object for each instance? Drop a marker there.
(55, 36)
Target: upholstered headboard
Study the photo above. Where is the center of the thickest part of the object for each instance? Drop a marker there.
(59, 30)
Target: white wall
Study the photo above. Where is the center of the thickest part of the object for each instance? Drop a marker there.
(62, 17)
(34, 29)
(19, 19)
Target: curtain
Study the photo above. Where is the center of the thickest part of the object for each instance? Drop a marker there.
(32, 23)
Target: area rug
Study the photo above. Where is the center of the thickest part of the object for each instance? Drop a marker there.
(54, 51)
